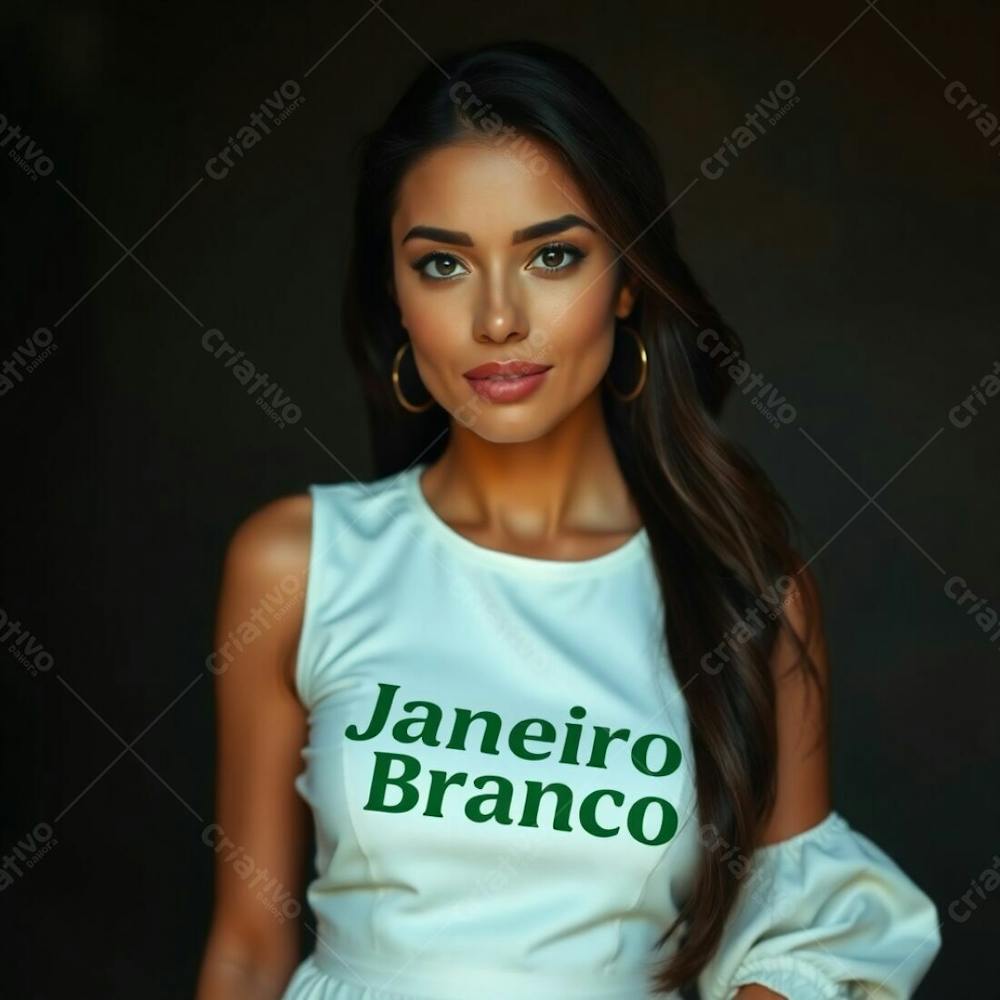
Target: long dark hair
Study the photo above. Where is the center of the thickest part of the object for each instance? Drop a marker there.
(719, 532)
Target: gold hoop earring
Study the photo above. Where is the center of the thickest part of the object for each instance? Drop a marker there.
(403, 401)
(645, 368)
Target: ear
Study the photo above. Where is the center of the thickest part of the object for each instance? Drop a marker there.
(627, 295)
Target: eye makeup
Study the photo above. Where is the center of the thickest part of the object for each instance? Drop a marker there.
(568, 250)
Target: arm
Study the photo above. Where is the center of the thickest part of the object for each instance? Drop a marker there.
(801, 718)
(803, 786)
(830, 913)
(260, 824)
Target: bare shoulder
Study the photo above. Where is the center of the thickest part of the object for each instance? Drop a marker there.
(261, 728)
(801, 669)
(264, 582)
(274, 539)
(803, 614)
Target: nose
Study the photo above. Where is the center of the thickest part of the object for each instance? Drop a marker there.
(500, 316)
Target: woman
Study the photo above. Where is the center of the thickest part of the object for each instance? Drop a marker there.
(558, 677)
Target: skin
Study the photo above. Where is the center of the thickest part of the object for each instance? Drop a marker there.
(536, 478)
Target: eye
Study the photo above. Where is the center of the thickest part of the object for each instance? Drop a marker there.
(554, 252)
(444, 263)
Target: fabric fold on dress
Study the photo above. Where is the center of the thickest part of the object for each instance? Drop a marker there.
(825, 915)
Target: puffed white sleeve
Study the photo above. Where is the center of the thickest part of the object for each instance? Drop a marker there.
(824, 915)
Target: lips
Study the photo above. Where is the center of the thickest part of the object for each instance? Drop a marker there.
(507, 383)
(508, 369)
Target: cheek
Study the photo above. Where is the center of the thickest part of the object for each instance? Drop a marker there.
(439, 327)
(571, 323)
(429, 319)
(580, 331)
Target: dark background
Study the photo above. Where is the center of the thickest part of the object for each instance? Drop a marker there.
(854, 247)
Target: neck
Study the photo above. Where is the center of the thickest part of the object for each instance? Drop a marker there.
(565, 482)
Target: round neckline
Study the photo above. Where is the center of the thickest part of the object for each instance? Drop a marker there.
(624, 554)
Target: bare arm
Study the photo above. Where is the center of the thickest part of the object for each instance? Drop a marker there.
(261, 824)
(803, 792)
(802, 718)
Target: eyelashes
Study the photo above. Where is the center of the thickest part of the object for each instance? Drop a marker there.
(575, 255)
(434, 258)
(438, 257)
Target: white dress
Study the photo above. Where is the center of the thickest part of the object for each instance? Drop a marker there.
(500, 772)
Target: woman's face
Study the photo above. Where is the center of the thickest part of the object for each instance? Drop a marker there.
(491, 290)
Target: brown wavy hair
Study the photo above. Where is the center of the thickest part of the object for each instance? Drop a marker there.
(719, 532)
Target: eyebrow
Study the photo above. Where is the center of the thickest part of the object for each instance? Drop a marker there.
(454, 236)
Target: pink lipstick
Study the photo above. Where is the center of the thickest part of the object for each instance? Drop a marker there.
(506, 382)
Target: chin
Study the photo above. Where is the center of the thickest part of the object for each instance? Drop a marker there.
(507, 428)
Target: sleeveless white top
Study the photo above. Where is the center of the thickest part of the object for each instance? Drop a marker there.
(500, 771)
